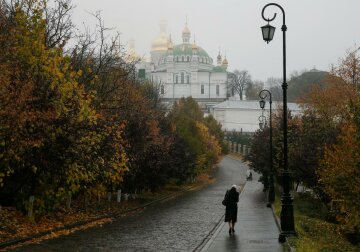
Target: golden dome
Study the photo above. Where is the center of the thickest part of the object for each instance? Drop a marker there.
(132, 56)
(186, 30)
(160, 43)
(170, 46)
(194, 46)
(225, 62)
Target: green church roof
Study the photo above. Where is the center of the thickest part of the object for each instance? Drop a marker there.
(218, 69)
(187, 50)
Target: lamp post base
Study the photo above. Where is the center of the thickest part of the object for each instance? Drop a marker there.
(283, 235)
(287, 218)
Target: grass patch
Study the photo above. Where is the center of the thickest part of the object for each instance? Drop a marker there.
(314, 233)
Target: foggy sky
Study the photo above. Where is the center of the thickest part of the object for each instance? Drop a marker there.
(319, 31)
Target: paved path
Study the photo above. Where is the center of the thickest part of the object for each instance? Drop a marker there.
(256, 230)
(180, 224)
(186, 223)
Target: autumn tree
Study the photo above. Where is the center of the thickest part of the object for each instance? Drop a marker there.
(339, 175)
(188, 121)
(215, 129)
(52, 140)
(258, 157)
(339, 172)
(348, 68)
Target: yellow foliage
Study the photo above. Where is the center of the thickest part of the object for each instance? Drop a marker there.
(340, 175)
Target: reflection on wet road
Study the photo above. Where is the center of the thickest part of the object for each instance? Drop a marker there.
(178, 224)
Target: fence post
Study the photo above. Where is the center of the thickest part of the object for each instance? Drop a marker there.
(86, 200)
(31, 206)
(68, 201)
(99, 198)
(118, 197)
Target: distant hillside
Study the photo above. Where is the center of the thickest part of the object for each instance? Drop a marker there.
(301, 84)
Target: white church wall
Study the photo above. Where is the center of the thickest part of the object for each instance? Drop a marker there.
(181, 90)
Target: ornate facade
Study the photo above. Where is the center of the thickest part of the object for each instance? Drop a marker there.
(185, 69)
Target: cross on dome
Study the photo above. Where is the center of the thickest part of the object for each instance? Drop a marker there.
(186, 33)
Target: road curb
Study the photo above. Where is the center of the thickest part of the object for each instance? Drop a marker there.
(277, 221)
(84, 222)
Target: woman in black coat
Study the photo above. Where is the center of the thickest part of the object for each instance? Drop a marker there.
(231, 208)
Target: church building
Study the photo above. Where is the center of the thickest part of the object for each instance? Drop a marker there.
(185, 69)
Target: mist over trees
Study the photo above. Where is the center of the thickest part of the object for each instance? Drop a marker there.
(76, 121)
(239, 80)
(300, 84)
(274, 86)
(253, 89)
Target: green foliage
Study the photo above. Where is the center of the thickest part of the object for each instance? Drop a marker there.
(301, 84)
(238, 137)
(258, 157)
(216, 131)
(201, 142)
(314, 233)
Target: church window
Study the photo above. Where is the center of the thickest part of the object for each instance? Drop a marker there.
(187, 79)
(162, 89)
(217, 89)
(182, 78)
(177, 58)
(188, 58)
(202, 89)
(176, 79)
(182, 58)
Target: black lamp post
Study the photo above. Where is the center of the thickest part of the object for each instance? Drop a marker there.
(263, 95)
(262, 126)
(287, 210)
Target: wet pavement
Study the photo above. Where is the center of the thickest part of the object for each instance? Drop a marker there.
(256, 230)
(179, 224)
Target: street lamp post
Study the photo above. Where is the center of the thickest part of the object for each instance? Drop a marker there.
(263, 95)
(287, 210)
(264, 177)
(262, 122)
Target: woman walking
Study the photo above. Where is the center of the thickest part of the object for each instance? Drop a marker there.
(232, 198)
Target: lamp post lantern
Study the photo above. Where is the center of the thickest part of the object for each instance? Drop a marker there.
(287, 209)
(263, 95)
